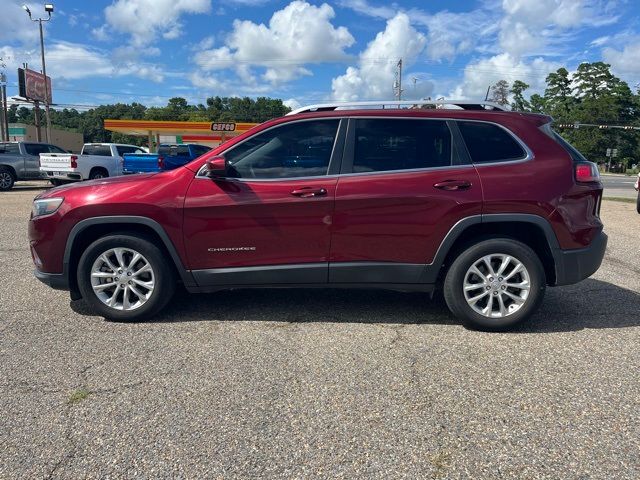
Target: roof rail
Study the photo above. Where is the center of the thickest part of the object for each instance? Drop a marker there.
(464, 104)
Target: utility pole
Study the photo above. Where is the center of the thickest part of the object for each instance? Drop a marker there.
(397, 84)
(48, 7)
(4, 118)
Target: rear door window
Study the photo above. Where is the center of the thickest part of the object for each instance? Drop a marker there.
(36, 149)
(99, 150)
(489, 143)
(199, 149)
(397, 144)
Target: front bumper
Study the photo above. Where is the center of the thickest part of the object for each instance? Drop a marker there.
(573, 266)
(59, 281)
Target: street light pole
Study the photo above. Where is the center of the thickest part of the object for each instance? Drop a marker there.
(48, 7)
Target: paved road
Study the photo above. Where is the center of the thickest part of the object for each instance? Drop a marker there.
(619, 186)
(317, 384)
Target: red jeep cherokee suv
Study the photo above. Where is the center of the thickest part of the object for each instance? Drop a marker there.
(489, 205)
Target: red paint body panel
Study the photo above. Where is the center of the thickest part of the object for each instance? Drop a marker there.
(399, 217)
(264, 216)
(159, 197)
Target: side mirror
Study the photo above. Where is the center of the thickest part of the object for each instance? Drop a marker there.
(216, 167)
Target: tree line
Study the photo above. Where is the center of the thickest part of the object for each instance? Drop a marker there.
(216, 109)
(591, 95)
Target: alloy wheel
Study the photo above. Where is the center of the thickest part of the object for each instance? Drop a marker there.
(122, 279)
(5, 180)
(496, 285)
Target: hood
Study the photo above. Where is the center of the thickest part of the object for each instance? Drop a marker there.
(62, 189)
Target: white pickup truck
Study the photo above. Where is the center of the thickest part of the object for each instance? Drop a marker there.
(97, 160)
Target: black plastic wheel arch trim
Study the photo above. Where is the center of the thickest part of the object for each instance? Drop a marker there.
(185, 275)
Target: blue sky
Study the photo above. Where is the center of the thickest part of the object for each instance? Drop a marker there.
(310, 51)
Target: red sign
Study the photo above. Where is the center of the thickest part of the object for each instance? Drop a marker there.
(31, 85)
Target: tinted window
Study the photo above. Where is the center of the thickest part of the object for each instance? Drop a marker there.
(487, 143)
(54, 149)
(36, 149)
(174, 151)
(128, 149)
(9, 148)
(100, 150)
(389, 144)
(199, 150)
(298, 149)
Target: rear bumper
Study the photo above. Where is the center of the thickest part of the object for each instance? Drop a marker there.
(61, 175)
(573, 266)
(59, 281)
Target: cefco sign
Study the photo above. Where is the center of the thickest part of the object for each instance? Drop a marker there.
(223, 127)
(31, 85)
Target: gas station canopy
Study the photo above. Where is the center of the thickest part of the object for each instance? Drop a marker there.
(206, 133)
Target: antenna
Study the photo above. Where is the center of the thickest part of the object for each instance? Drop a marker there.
(397, 84)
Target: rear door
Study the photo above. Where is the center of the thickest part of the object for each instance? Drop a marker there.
(32, 158)
(404, 184)
(269, 221)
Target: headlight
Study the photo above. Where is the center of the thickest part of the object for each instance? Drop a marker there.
(45, 206)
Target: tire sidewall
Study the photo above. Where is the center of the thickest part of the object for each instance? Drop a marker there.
(638, 203)
(453, 288)
(164, 277)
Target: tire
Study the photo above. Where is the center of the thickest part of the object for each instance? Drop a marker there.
(55, 182)
(501, 291)
(97, 173)
(7, 180)
(161, 278)
(638, 203)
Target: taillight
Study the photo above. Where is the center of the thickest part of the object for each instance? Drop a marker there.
(160, 162)
(74, 163)
(587, 172)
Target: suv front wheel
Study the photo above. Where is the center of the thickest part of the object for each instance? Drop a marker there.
(125, 278)
(495, 284)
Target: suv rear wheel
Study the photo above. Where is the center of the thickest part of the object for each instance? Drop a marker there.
(495, 284)
(125, 278)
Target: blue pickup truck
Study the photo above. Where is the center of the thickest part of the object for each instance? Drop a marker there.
(167, 158)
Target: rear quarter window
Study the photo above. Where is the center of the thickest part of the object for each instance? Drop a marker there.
(489, 143)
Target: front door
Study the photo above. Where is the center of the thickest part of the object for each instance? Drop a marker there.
(405, 185)
(269, 221)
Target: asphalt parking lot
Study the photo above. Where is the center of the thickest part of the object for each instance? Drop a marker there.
(324, 384)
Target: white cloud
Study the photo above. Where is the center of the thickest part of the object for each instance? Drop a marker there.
(625, 62)
(374, 76)
(299, 34)
(144, 20)
(15, 24)
(531, 27)
(292, 103)
(483, 73)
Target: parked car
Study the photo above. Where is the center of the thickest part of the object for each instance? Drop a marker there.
(20, 161)
(97, 160)
(167, 158)
(637, 187)
(488, 205)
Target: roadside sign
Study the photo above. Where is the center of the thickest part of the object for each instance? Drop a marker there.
(608, 152)
(31, 85)
(614, 152)
(223, 127)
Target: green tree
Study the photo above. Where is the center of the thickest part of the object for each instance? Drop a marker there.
(519, 103)
(500, 92)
